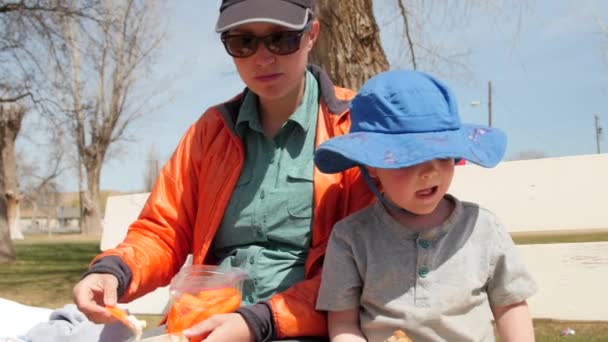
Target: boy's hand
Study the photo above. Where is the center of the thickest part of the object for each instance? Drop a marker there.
(221, 328)
(93, 293)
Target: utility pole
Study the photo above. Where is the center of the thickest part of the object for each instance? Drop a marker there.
(477, 103)
(490, 103)
(598, 132)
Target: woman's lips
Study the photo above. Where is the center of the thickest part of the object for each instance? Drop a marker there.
(268, 77)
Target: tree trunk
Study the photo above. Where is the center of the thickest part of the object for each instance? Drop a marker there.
(103, 75)
(92, 200)
(7, 251)
(11, 116)
(12, 210)
(349, 46)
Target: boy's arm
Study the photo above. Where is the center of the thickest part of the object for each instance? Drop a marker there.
(344, 326)
(513, 322)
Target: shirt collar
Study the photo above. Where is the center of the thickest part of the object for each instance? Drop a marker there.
(248, 114)
(302, 117)
(434, 233)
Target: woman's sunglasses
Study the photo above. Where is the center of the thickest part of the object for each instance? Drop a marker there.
(279, 43)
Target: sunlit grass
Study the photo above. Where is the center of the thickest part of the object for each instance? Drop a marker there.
(560, 237)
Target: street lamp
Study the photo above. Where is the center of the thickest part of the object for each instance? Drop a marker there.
(478, 103)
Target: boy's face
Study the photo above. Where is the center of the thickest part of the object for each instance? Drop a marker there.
(418, 188)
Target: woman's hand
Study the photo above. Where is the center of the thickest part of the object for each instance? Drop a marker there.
(221, 328)
(93, 293)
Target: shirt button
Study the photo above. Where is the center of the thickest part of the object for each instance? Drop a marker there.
(262, 194)
(424, 243)
(423, 271)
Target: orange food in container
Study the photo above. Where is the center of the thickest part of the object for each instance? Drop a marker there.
(200, 291)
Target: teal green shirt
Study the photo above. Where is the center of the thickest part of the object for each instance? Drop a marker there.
(266, 228)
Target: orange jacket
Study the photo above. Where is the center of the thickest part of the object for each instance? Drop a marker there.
(186, 207)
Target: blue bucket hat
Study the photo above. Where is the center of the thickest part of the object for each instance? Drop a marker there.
(403, 118)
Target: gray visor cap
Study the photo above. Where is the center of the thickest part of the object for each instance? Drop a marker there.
(292, 14)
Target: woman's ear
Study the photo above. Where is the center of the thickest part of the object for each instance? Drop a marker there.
(313, 34)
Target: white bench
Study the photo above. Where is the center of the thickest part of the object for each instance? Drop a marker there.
(552, 194)
(121, 211)
(572, 280)
(544, 195)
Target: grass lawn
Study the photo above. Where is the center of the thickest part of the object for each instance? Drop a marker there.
(45, 272)
(48, 267)
(594, 235)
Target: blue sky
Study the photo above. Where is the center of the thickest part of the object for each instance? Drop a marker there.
(549, 76)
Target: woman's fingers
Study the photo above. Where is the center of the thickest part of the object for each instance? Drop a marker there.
(93, 293)
(224, 327)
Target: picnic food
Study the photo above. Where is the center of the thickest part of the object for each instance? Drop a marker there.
(136, 325)
(190, 309)
(201, 291)
(399, 336)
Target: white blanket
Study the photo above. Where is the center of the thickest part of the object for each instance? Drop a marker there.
(16, 319)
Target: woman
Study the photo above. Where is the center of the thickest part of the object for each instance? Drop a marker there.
(241, 188)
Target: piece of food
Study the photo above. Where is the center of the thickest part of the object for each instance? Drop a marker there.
(136, 325)
(399, 336)
(190, 309)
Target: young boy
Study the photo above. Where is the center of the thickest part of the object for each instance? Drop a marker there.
(419, 259)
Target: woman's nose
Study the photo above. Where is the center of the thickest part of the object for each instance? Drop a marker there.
(263, 57)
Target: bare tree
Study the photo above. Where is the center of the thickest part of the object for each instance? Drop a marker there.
(152, 169)
(420, 46)
(349, 46)
(107, 62)
(28, 40)
(11, 116)
(12, 168)
(7, 251)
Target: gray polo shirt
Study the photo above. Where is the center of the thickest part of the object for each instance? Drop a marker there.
(436, 284)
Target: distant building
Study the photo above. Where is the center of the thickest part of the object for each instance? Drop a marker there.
(64, 220)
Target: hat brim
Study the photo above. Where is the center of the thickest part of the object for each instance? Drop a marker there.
(480, 145)
(281, 13)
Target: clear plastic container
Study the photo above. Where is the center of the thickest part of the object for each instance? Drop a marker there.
(200, 291)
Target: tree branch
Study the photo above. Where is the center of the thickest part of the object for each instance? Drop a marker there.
(406, 25)
(63, 10)
(16, 98)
